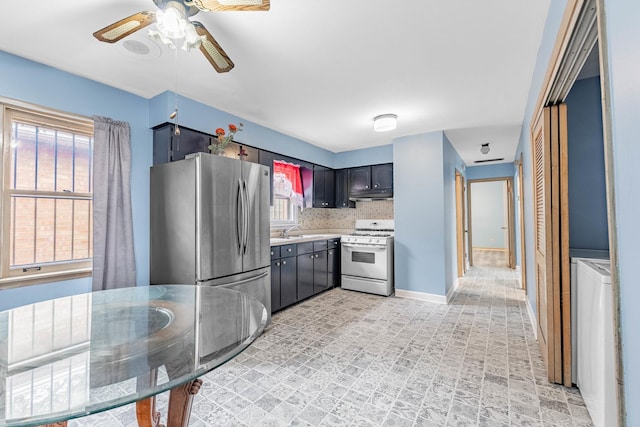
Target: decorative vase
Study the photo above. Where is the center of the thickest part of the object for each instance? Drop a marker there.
(217, 149)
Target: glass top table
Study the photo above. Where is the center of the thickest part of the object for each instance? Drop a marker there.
(69, 357)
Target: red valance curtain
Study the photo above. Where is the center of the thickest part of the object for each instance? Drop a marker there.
(291, 173)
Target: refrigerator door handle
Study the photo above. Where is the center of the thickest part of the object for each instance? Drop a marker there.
(239, 217)
(246, 216)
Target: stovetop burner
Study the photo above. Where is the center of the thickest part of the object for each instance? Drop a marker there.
(370, 234)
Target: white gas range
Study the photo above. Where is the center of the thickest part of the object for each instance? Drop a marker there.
(367, 257)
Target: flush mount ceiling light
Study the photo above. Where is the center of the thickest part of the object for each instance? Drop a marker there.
(484, 148)
(385, 122)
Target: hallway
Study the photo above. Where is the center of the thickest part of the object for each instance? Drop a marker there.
(347, 358)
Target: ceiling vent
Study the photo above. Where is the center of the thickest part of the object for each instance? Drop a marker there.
(489, 160)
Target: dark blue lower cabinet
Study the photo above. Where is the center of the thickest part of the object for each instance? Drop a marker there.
(333, 266)
(296, 278)
(320, 270)
(276, 274)
(288, 286)
(305, 275)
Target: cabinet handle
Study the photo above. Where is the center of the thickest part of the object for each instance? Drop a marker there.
(330, 252)
(284, 262)
(288, 249)
(375, 186)
(311, 257)
(316, 256)
(366, 186)
(271, 252)
(277, 263)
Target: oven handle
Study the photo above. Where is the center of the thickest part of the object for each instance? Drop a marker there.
(351, 245)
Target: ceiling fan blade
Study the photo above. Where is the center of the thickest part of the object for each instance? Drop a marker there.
(225, 5)
(212, 50)
(124, 27)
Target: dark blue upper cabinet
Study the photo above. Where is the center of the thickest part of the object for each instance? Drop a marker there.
(374, 181)
(323, 187)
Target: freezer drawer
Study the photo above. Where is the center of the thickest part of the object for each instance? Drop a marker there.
(256, 283)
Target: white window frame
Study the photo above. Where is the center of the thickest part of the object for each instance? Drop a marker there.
(293, 210)
(49, 272)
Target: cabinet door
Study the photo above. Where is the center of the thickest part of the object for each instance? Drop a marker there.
(162, 144)
(319, 189)
(359, 179)
(275, 285)
(288, 282)
(233, 151)
(323, 187)
(382, 176)
(333, 262)
(305, 275)
(330, 188)
(320, 272)
(188, 142)
(342, 189)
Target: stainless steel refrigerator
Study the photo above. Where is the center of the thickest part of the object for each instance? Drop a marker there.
(210, 224)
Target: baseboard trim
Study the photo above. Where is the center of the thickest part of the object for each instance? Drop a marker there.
(532, 317)
(422, 296)
(452, 290)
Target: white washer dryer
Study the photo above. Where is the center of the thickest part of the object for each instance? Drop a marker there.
(575, 255)
(596, 369)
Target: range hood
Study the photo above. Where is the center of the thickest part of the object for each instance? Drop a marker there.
(371, 194)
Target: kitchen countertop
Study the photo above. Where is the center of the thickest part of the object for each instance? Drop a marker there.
(278, 241)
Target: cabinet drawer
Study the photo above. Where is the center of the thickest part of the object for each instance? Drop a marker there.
(305, 247)
(275, 252)
(320, 245)
(288, 250)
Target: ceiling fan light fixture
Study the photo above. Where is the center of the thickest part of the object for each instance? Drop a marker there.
(172, 22)
(385, 122)
(191, 38)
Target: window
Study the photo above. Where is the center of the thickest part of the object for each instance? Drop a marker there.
(47, 225)
(287, 193)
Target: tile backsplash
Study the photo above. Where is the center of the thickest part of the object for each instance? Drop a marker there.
(326, 219)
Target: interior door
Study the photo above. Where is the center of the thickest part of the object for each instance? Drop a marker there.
(548, 137)
(521, 222)
(460, 223)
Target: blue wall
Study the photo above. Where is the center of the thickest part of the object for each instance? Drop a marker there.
(198, 116)
(497, 170)
(32, 82)
(588, 226)
(419, 214)
(365, 156)
(623, 39)
(451, 163)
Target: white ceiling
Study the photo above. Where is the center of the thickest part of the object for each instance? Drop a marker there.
(319, 70)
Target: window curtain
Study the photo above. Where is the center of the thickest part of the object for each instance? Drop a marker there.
(113, 257)
(291, 173)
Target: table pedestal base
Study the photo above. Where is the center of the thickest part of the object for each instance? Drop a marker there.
(180, 401)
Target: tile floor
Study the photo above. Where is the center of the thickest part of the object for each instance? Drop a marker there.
(489, 258)
(346, 358)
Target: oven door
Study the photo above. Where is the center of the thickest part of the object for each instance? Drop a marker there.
(365, 261)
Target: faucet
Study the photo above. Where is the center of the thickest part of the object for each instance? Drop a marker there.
(285, 231)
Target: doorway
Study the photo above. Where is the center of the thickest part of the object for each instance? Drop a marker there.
(491, 231)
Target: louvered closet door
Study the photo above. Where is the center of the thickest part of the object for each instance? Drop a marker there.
(549, 169)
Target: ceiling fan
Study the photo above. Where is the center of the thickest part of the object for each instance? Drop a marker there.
(173, 24)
